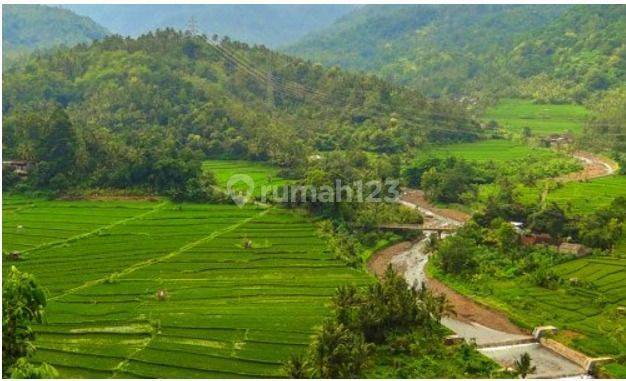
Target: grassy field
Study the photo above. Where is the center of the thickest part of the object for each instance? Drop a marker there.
(261, 173)
(227, 312)
(542, 119)
(488, 150)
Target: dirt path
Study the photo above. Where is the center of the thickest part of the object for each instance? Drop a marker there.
(474, 320)
(594, 166)
(412, 197)
(467, 310)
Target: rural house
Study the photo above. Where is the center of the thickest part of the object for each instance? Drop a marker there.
(19, 167)
(536, 239)
(574, 248)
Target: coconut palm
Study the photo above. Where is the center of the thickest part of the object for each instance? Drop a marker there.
(524, 366)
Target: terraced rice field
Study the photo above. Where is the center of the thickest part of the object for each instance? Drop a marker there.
(542, 119)
(227, 311)
(588, 315)
(489, 150)
(262, 174)
(586, 197)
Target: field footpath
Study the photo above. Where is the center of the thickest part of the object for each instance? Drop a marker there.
(594, 166)
(95, 231)
(170, 255)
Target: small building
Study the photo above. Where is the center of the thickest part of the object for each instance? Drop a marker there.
(518, 226)
(19, 167)
(574, 248)
(536, 239)
(558, 140)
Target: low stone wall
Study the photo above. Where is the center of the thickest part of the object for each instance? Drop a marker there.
(584, 361)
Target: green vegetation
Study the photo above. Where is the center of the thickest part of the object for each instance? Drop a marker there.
(554, 54)
(161, 289)
(606, 129)
(584, 305)
(578, 197)
(387, 330)
(151, 109)
(588, 196)
(463, 172)
(542, 119)
(29, 27)
(537, 284)
(262, 174)
(23, 302)
(497, 150)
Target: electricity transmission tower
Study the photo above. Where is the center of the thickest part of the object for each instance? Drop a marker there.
(192, 27)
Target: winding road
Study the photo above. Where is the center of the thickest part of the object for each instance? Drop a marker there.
(495, 335)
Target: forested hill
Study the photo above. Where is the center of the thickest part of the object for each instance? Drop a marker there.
(269, 24)
(549, 52)
(27, 27)
(125, 105)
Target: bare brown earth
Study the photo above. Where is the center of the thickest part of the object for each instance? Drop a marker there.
(380, 260)
(468, 310)
(417, 197)
(594, 166)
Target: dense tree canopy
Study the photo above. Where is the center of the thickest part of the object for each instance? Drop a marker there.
(552, 53)
(133, 106)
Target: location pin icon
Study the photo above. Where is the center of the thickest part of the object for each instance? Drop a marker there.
(240, 188)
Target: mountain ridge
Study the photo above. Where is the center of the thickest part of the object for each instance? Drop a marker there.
(523, 50)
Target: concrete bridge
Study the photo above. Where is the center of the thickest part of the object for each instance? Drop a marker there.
(416, 227)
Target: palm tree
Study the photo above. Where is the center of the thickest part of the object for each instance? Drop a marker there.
(345, 300)
(337, 352)
(523, 366)
(296, 367)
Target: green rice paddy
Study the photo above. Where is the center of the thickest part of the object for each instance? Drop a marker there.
(587, 315)
(223, 310)
(262, 174)
(542, 119)
(588, 196)
(489, 150)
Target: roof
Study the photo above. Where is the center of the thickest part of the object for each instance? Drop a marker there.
(573, 246)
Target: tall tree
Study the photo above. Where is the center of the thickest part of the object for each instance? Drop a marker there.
(23, 302)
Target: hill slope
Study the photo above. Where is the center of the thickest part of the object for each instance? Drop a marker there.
(271, 25)
(165, 95)
(27, 27)
(545, 51)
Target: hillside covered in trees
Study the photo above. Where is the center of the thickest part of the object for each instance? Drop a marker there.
(144, 112)
(557, 53)
(29, 27)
